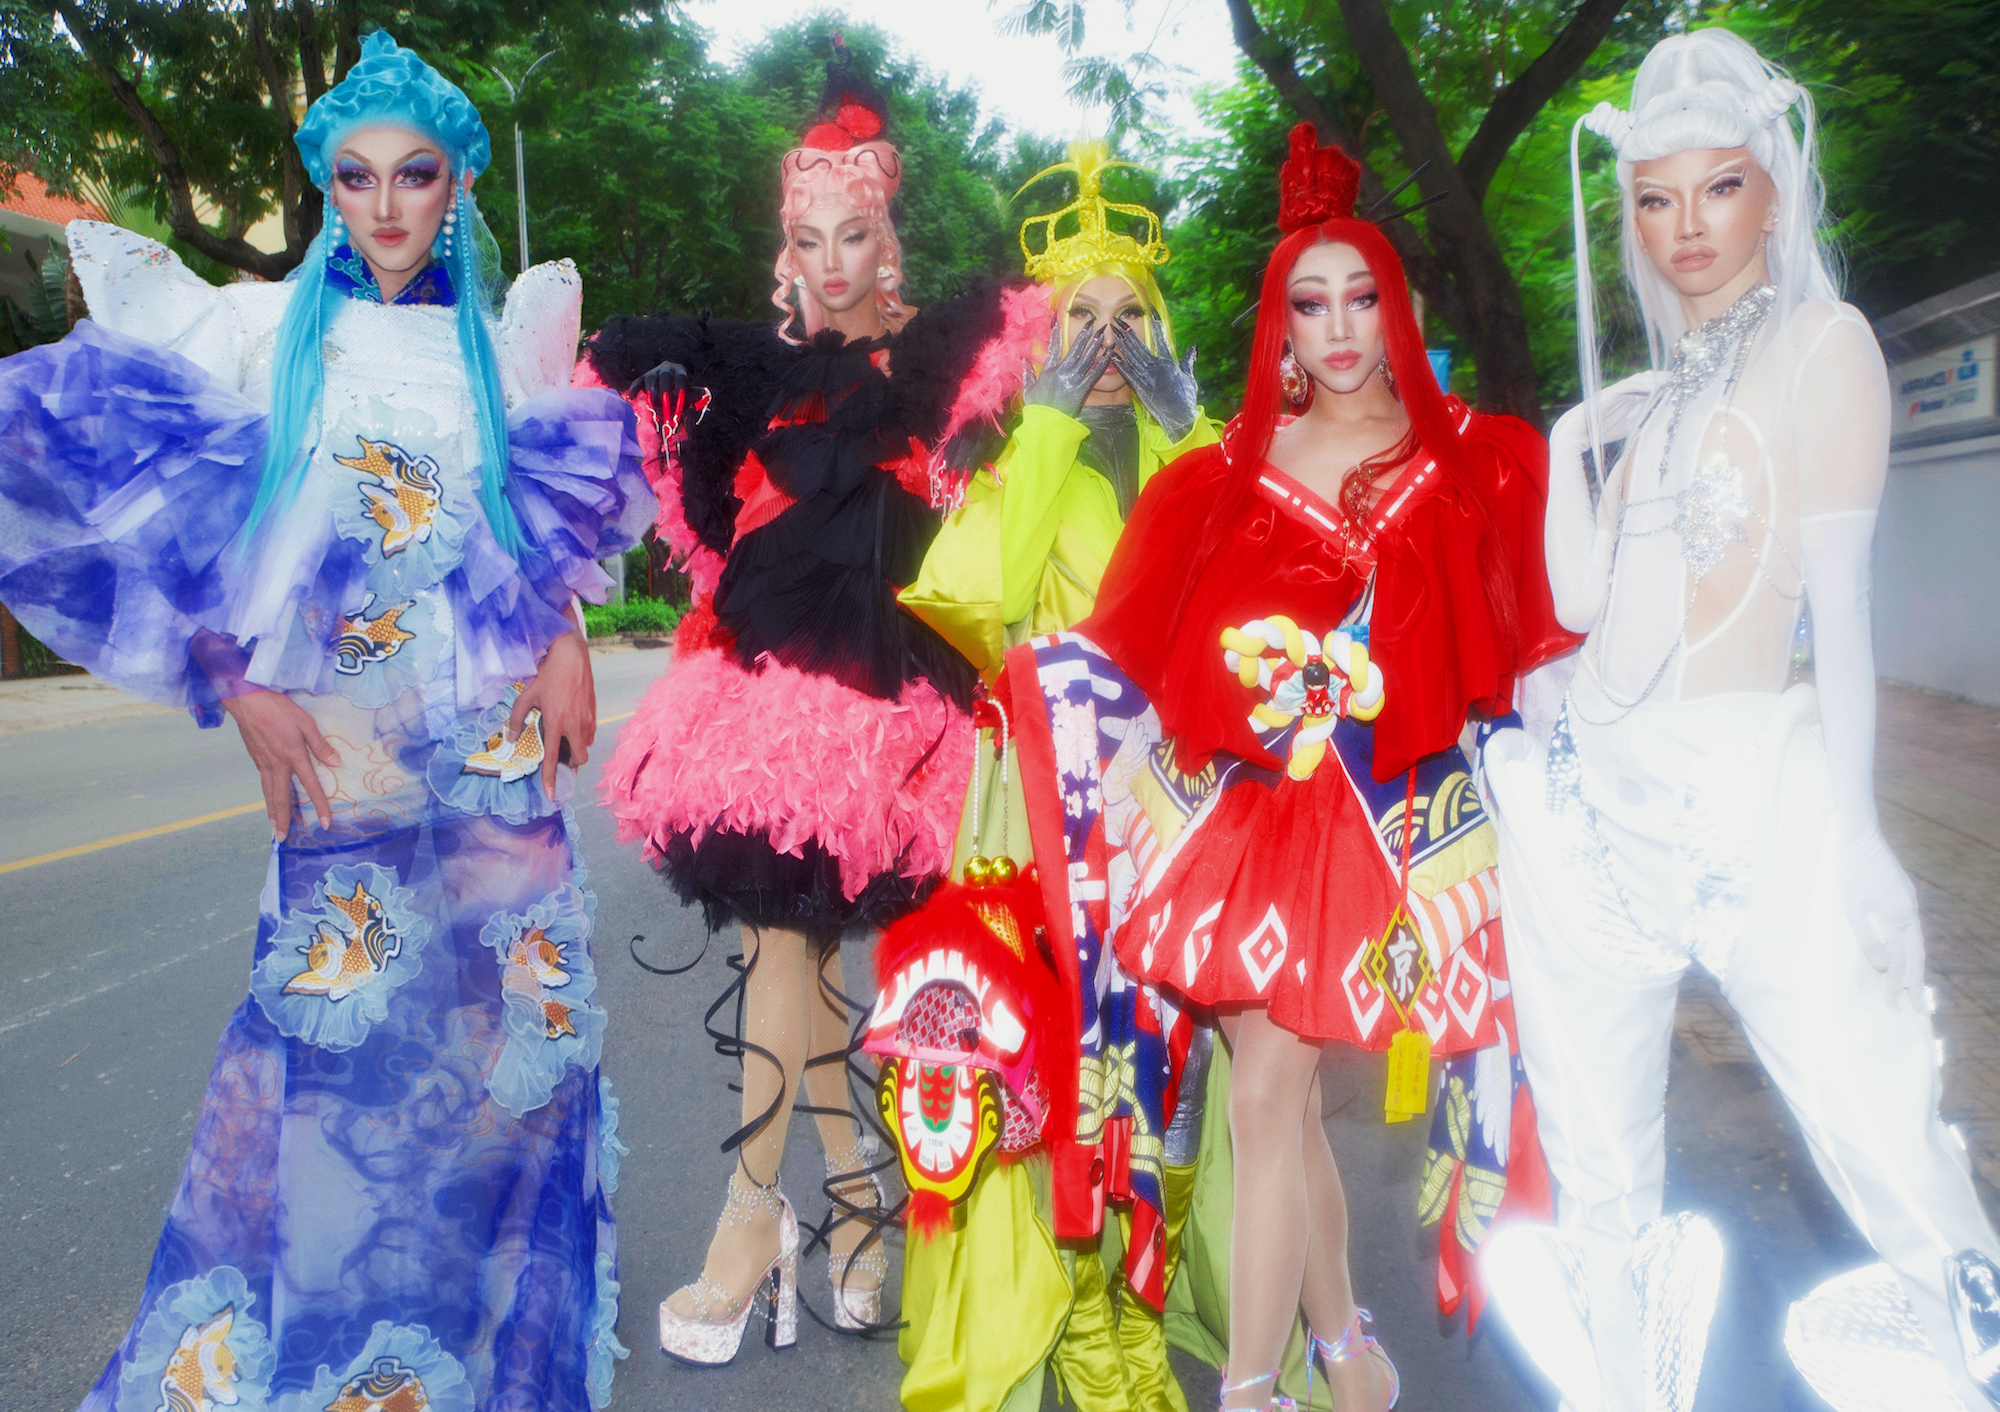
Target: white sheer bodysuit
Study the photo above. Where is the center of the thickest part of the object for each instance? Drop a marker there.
(1812, 394)
(1695, 805)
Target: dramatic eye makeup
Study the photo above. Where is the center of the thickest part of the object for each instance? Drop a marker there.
(354, 175)
(419, 172)
(1363, 299)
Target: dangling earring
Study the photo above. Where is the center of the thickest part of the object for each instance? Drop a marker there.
(1388, 377)
(450, 219)
(1292, 379)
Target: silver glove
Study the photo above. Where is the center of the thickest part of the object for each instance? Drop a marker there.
(1166, 389)
(1064, 382)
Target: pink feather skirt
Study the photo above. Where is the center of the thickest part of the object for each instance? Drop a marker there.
(784, 798)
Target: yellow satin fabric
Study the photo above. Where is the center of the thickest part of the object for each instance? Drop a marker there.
(985, 1302)
(997, 1303)
(1025, 553)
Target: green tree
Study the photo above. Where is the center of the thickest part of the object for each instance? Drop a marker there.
(649, 166)
(1909, 102)
(194, 102)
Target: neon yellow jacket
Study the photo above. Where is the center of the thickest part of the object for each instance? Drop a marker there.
(1025, 553)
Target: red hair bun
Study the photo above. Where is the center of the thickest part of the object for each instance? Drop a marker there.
(1316, 184)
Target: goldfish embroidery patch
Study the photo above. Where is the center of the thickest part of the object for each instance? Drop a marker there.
(338, 963)
(404, 497)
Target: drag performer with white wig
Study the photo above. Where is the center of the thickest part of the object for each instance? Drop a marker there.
(1698, 803)
(353, 511)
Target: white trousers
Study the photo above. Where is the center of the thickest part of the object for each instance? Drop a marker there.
(1700, 831)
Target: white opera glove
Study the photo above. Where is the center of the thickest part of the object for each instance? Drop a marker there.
(1875, 892)
(1578, 537)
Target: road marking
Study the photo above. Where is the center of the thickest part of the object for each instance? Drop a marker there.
(47, 1010)
(159, 829)
(134, 837)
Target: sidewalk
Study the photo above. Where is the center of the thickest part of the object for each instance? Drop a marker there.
(40, 703)
(1937, 784)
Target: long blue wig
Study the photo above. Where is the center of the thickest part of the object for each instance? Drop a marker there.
(389, 87)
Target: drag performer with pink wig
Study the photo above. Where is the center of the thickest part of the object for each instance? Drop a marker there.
(801, 768)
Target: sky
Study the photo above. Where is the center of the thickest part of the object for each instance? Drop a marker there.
(1019, 77)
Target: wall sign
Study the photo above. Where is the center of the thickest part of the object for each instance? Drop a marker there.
(1944, 389)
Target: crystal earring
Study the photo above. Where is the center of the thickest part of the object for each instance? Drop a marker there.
(885, 273)
(1292, 379)
(1388, 377)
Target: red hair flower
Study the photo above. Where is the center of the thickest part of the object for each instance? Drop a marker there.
(853, 122)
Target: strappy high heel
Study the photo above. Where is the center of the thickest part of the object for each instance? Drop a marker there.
(855, 1307)
(1351, 1344)
(712, 1336)
(1278, 1401)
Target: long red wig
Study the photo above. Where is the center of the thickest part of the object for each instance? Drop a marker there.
(1316, 192)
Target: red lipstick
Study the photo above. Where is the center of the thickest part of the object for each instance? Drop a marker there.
(1342, 360)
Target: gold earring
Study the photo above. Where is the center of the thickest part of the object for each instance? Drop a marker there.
(1292, 380)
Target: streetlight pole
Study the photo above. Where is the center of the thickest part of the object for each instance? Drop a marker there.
(520, 161)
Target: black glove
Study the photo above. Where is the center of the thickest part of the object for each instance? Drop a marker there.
(1166, 389)
(1064, 382)
(666, 387)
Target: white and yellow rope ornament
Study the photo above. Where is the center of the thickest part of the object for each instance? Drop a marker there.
(1311, 680)
(1093, 244)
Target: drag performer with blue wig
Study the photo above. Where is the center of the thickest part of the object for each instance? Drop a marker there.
(355, 512)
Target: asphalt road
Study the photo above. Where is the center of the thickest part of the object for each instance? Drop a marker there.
(119, 967)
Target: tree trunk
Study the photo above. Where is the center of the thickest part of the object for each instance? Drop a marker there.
(1457, 265)
(1491, 317)
(11, 665)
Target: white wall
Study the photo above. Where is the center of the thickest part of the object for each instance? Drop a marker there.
(1937, 569)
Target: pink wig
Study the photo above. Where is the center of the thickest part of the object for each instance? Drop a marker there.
(865, 176)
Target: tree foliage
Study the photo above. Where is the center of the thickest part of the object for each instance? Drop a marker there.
(655, 167)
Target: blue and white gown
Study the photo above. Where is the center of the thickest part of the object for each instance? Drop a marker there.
(398, 1192)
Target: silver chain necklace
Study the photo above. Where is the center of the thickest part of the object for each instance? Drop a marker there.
(1710, 514)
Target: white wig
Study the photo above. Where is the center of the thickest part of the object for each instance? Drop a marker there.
(1705, 89)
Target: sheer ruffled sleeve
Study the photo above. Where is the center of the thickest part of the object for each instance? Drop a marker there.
(575, 481)
(125, 474)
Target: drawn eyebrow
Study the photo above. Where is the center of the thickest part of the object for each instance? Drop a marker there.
(1733, 165)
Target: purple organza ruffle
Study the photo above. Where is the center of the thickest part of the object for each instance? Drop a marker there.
(126, 473)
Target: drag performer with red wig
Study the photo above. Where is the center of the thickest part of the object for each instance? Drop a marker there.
(1313, 608)
(801, 768)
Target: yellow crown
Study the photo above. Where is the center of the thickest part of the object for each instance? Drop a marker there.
(1093, 243)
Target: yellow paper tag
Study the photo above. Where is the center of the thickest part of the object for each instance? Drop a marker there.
(1409, 1076)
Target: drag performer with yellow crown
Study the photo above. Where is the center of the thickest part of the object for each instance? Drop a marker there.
(1022, 1265)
